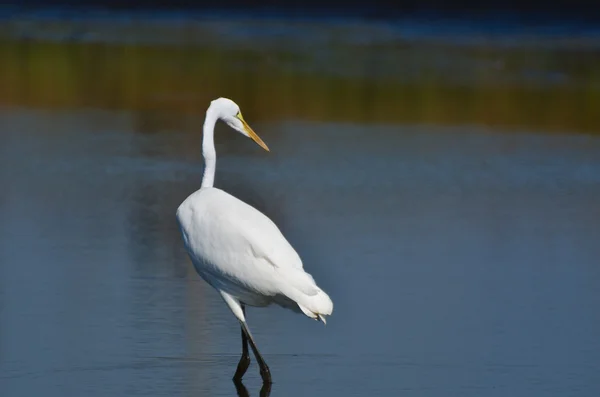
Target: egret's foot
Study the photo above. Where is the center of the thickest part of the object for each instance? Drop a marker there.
(242, 367)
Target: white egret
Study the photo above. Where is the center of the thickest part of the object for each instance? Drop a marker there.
(238, 250)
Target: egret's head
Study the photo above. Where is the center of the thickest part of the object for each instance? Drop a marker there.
(228, 111)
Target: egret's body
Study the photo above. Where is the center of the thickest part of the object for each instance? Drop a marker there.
(241, 252)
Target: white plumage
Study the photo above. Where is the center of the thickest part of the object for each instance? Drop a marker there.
(238, 250)
(241, 252)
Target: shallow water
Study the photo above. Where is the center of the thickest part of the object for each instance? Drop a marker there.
(461, 252)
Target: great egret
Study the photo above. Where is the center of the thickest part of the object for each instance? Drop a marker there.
(238, 250)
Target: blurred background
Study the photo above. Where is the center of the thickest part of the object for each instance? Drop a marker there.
(435, 164)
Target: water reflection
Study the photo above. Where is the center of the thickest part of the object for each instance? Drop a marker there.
(265, 390)
(550, 87)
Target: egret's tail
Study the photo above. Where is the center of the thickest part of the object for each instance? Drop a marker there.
(317, 306)
(312, 300)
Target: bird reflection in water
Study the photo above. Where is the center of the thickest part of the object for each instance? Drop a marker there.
(265, 390)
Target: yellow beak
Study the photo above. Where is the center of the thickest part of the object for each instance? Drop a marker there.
(252, 134)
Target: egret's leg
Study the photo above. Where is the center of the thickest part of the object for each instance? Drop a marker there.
(245, 359)
(265, 390)
(238, 310)
(265, 373)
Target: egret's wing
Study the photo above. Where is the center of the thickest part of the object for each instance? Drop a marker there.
(237, 244)
(266, 241)
(267, 245)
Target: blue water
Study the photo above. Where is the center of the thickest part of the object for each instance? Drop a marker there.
(462, 261)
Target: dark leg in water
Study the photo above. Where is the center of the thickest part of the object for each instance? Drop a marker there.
(265, 390)
(265, 373)
(245, 359)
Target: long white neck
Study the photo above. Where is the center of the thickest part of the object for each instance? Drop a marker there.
(208, 149)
